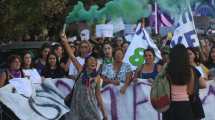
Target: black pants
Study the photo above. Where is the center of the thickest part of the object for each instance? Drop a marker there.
(197, 108)
(179, 111)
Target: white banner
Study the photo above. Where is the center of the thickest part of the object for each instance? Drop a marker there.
(46, 103)
(185, 31)
(118, 24)
(135, 53)
(134, 105)
(104, 30)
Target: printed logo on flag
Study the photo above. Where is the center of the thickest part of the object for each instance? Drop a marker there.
(137, 58)
(185, 31)
(135, 53)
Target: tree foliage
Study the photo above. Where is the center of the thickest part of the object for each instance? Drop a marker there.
(19, 17)
(29, 16)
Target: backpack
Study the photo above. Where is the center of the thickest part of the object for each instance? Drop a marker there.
(160, 92)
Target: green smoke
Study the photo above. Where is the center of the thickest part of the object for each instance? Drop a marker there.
(132, 10)
(129, 10)
(78, 13)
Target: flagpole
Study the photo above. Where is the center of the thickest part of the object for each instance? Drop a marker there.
(156, 18)
(190, 10)
(191, 16)
(64, 28)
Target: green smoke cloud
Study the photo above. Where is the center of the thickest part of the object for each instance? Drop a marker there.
(129, 10)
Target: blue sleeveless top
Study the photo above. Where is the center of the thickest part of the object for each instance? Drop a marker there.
(152, 75)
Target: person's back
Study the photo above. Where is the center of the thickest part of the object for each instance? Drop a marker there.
(179, 72)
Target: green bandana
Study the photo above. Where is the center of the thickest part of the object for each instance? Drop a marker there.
(108, 61)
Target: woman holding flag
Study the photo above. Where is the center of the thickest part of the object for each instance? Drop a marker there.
(148, 70)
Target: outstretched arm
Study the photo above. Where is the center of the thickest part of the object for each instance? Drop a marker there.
(127, 83)
(70, 52)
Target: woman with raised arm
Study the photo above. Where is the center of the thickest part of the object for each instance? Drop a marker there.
(85, 96)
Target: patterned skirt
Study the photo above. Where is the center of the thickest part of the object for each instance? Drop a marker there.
(83, 103)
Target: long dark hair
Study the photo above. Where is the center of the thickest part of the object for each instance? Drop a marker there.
(150, 50)
(107, 43)
(179, 68)
(47, 66)
(44, 46)
(210, 61)
(194, 51)
(23, 64)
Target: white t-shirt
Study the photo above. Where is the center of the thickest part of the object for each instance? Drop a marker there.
(33, 74)
(72, 69)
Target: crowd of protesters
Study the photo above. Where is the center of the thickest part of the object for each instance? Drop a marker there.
(102, 59)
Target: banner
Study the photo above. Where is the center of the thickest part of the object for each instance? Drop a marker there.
(185, 31)
(118, 24)
(141, 41)
(104, 30)
(47, 103)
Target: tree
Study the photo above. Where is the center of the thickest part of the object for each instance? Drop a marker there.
(19, 17)
(29, 16)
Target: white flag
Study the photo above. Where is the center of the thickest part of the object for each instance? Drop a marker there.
(185, 32)
(141, 41)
